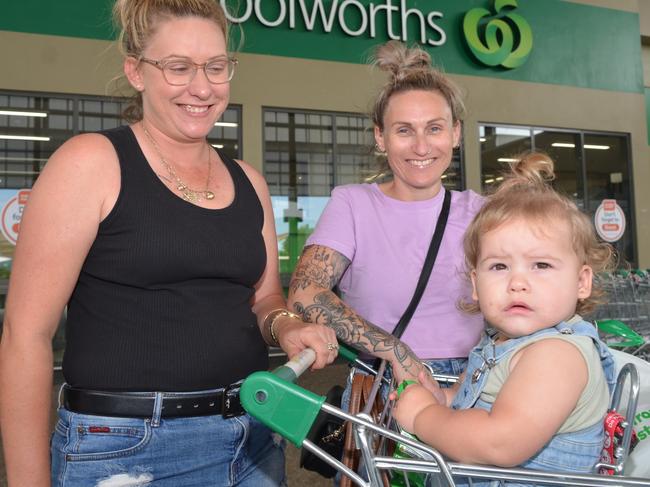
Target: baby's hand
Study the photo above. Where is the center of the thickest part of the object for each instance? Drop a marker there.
(410, 403)
(431, 385)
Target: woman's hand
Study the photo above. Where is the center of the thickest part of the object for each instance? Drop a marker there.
(294, 336)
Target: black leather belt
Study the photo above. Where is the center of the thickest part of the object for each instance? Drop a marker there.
(141, 404)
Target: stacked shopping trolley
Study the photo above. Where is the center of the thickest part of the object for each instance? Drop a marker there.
(624, 316)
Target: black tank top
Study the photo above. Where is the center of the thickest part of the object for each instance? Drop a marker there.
(163, 298)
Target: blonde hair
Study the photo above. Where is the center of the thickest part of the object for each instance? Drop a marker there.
(526, 193)
(137, 21)
(410, 69)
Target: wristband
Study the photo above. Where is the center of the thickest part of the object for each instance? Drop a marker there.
(404, 385)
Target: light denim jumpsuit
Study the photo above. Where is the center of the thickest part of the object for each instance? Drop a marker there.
(577, 451)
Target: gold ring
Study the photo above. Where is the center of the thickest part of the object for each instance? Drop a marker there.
(332, 346)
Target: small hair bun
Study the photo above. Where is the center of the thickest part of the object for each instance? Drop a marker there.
(534, 168)
(395, 58)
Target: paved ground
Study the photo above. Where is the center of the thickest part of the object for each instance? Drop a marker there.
(319, 382)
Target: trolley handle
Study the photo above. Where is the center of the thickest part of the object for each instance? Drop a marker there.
(283, 406)
(295, 367)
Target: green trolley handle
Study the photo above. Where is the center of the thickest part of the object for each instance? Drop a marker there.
(274, 399)
(628, 337)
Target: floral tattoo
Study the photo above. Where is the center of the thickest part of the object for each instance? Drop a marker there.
(321, 267)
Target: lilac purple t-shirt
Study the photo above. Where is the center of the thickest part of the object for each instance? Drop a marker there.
(386, 241)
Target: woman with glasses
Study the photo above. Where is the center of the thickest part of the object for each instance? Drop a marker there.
(165, 253)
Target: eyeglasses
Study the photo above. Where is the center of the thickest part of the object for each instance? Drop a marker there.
(180, 72)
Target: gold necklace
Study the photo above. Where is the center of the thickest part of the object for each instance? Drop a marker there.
(188, 194)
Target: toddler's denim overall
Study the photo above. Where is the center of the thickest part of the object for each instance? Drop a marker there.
(577, 451)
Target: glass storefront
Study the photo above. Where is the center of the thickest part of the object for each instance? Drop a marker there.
(306, 154)
(33, 126)
(590, 167)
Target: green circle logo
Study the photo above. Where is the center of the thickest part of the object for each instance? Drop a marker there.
(501, 33)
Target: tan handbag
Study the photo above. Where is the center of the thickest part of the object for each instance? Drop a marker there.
(360, 393)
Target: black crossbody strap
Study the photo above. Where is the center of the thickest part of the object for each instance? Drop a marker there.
(427, 267)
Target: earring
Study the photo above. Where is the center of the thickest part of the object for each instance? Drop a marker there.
(379, 149)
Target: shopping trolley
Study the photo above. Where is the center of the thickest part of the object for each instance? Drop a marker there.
(275, 400)
(624, 317)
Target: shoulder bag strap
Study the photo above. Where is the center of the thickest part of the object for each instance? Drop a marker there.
(427, 267)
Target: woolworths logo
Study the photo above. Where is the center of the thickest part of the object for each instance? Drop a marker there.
(502, 38)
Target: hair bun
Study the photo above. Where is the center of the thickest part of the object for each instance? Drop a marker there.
(534, 168)
(399, 61)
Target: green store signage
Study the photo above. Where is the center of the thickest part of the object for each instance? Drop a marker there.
(574, 44)
(506, 41)
(352, 17)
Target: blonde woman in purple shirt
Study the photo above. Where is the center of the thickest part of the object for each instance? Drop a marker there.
(372, 239)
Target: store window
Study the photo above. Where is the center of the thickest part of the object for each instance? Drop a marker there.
(226, 135)
(589, 167)
(608, 176)
(33, 126)
(565, 150)
(306, 154)
(499, 146)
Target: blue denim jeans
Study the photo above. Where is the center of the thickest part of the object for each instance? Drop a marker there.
(202, 451)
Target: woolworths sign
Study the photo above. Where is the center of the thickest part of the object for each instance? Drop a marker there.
(496, 38)
(351, 16)
(541, 41)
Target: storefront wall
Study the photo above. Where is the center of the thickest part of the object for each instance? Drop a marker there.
(608, 97)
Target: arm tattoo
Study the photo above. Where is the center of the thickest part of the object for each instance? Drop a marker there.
(320, 266)
(350, 328)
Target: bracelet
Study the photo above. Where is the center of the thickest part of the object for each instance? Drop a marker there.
(405, 383)
(272, 317)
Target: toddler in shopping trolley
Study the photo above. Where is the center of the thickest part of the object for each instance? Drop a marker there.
(537, 386)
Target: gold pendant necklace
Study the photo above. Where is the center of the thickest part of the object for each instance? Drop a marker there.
(188, 194)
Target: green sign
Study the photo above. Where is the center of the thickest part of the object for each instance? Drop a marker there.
(500, 39)
(575, 44)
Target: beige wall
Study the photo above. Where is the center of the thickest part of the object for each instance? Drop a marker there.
(57, 64)
(644, 17)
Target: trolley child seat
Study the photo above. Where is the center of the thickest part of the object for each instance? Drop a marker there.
(275, 400)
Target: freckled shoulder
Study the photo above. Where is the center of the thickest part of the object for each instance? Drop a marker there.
(86, 163)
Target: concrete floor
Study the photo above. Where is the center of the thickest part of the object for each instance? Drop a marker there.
(319, 382)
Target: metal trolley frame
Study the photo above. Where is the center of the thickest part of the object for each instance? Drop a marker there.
(274, 399)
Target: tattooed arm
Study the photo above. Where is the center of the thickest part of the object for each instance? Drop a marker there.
(310, 295)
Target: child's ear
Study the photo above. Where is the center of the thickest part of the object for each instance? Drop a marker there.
(472, 276)
(585, 279)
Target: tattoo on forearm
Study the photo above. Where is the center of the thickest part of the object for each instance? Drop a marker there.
(350, 328)
(320, 266)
